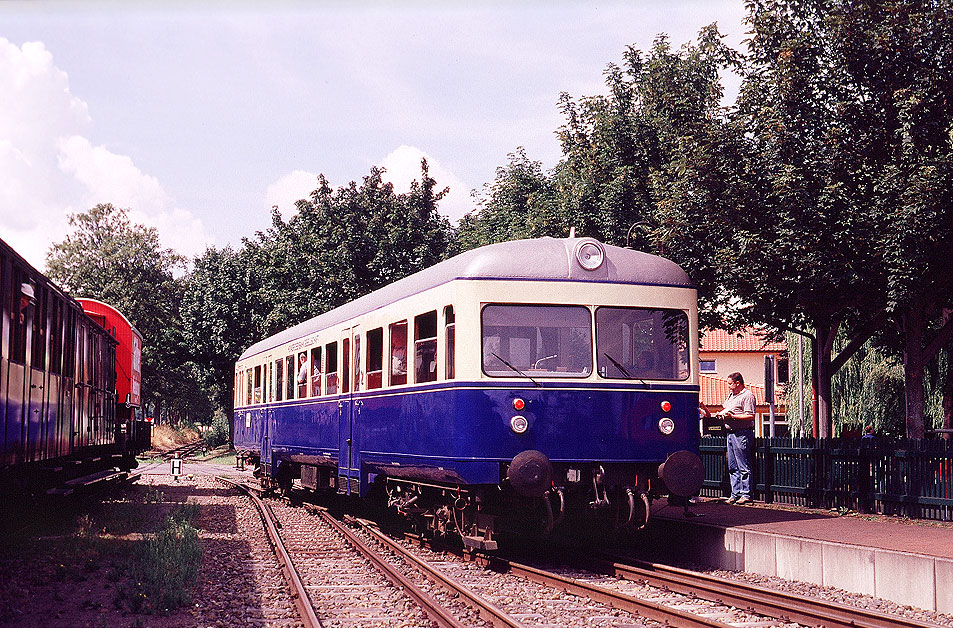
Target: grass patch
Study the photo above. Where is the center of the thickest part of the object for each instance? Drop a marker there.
(163, 570)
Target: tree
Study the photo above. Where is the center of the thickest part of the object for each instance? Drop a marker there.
(110, 259)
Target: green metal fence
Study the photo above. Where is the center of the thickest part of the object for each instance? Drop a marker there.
(911, 478)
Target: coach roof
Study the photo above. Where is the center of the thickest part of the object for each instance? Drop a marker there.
(542, 259)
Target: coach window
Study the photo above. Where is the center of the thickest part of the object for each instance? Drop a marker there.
(56, 335)
(303, 374)
(345, 365)
(248, 383)
(38, 341)
(271, 381)
(257, 395)
(279, 379)
(642, 343)
(69, 344)
(449, 321)
(315, 371)
(425, 347)
(398, 353)
(21, 311)
(375, 358)
(331, 368)
(537, 340)
(290, 377)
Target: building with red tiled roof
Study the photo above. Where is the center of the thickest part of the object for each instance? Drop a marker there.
(722, 353)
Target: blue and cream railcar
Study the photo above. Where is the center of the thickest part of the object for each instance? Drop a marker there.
(547, 368)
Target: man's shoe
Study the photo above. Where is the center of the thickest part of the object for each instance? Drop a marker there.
(732, 500)
(744, 499)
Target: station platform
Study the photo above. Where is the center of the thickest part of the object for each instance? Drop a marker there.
(909, 562)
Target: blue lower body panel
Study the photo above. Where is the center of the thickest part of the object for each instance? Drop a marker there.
(460, 433)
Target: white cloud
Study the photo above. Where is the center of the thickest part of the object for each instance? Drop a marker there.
(289, 189)
(49, 168)
(403, 167)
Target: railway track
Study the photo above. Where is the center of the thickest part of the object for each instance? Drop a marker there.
(379, 574)
(760, 600)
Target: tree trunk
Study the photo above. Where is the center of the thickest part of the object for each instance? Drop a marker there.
(946, 384)
(913, 322)
(822, 359)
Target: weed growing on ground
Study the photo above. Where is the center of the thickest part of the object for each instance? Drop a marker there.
(164, 569)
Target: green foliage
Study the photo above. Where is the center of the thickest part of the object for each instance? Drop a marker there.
(219, 434)
(108, 258)
(164, 569)
(340, 245)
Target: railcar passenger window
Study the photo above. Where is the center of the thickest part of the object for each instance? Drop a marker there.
(358, 379)
(21, 312)
(450, 327)
(375, 358)
(290, 377)
(303, 375)
(38, 342)
(537, 340)
(257, 395)
(248, 386)
(69, 346)
(642, 343)
(271, 381)
(346, 365)
(425, 347)
(279, 379)
(331, 368)
(56, 336)
(315, 371)
(398, 353)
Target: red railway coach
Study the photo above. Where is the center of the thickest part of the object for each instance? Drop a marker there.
(128, 354)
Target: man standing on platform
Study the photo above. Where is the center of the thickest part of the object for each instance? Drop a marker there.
(738, 416)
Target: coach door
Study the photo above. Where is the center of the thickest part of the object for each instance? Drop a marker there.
(349, 406)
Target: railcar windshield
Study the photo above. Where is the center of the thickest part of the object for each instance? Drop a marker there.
(545, 340)
(642, 343)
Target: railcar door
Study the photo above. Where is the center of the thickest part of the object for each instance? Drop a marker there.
(349, 408)
(267, 416)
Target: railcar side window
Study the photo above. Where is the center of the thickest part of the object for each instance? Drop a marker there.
(331, 368)
(279, 379)
(425, 347)
(449, 322)
(257, 395)
(547, 340)
(271, 381)
(375, 358)
(38, 342)
(21, 313)
(346, 365)
(642, 343)
(315, 371)
(303, 375)
(56, 335)
(248, 386)
(290, 377)
(398, 353)
(69, 346)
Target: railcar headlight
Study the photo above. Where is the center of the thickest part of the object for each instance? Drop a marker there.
(666, 425)
(519, 424)
(590, 254)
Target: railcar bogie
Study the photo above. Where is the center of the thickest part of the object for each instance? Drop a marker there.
(489, 385)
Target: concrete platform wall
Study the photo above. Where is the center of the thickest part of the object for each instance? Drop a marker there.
(908, 579)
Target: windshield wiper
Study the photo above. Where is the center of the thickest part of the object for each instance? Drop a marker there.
(516, 369)
(622, 368)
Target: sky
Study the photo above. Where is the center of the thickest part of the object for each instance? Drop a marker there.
(199, 117)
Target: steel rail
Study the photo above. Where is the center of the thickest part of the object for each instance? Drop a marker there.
(634, 605)
(487, 611)
(760, 600)
(433, 609)
(298, 591)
